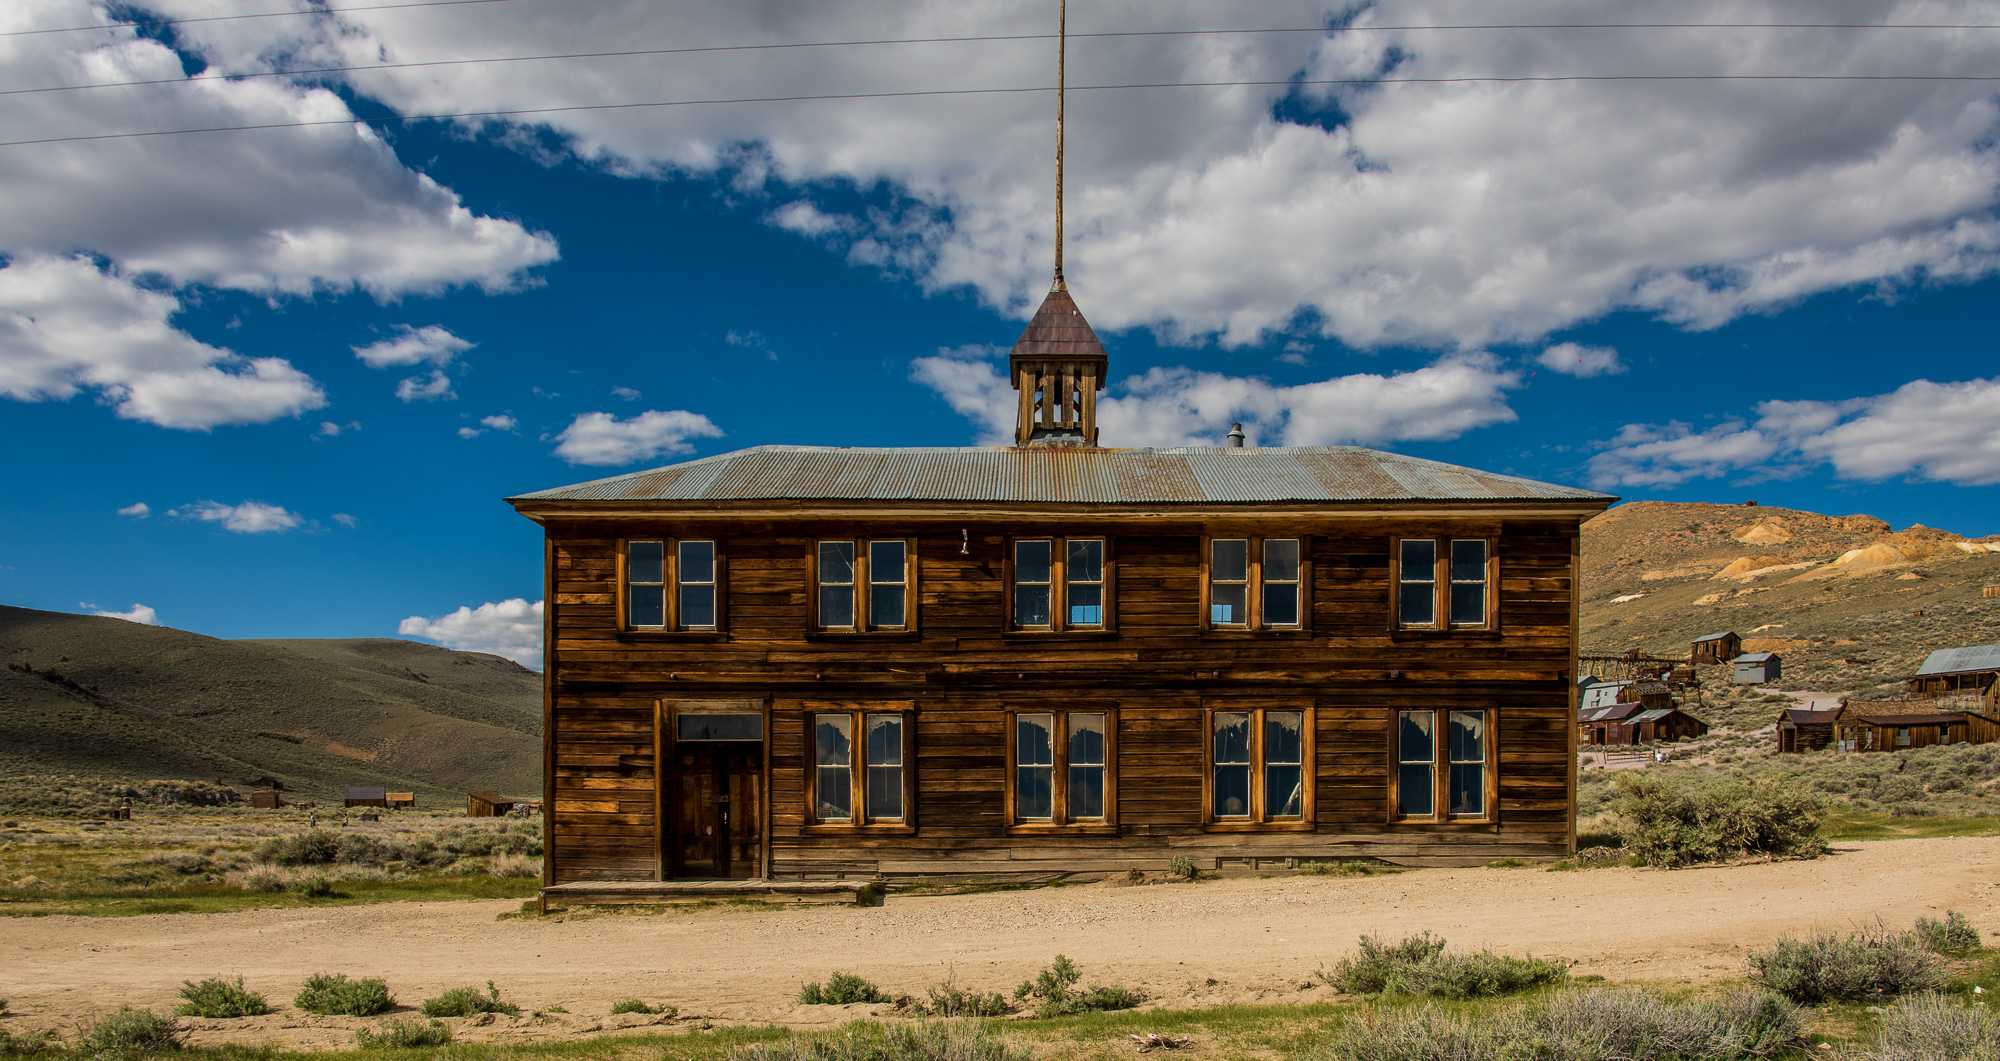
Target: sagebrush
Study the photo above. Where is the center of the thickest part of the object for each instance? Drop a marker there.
(869, 1041)
(1671, 822)
(840, 989)
(1055, 993)
(637, 1005)
(1575, 1026)
(216, 997)
(1934, 1028)
(950, 1000)
(130, 1033)
(329, 994)
(468, 1002)
(403, 1033)
(1856, 967)
(1419, 966)
(1954, 935)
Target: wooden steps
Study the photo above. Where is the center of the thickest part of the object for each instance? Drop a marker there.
(664, 892)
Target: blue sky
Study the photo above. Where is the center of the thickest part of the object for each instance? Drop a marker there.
(274, 382)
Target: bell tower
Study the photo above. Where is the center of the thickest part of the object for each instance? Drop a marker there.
(1058, 365)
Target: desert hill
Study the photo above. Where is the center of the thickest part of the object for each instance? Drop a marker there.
(1848, 602)
(103, 697)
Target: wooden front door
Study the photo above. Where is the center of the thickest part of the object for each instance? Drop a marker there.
(718, 811)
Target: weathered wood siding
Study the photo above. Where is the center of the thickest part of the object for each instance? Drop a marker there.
(963, 671)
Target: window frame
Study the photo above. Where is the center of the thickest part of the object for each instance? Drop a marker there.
(1441, 585)
(1059, 820)
(1441, 816)
(1257, 821)
(1059, 625)
(864, 624)
(1254, 594)
(670, 609)
(858, 713)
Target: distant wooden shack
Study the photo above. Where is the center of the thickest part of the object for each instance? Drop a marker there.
(1803, 729)
(1715, 649)
(1756, 668)
(1895, 725)
(1949, 671)
(487, 805)
(400, 800)
(365, 796)
(266, 799)
(1635, 723)
(267, 781)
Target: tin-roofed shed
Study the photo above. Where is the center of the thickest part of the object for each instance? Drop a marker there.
(1972, 669)
(365, 796)
(1756, 668)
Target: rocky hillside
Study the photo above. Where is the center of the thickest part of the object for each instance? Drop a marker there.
(103, 697)
(1850, 603)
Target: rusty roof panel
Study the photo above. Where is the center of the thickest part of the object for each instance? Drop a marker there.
(1064, 475)
(1961, 660)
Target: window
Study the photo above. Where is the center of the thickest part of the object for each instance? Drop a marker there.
(1444, 583)
(859, 775)
(1444, 765)
(1260, 767)
(1062, 772)
(864, 586)
(1059, 584)
(672, 585)
(1255, 584)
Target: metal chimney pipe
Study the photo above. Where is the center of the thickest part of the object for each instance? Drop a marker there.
(1236, 436)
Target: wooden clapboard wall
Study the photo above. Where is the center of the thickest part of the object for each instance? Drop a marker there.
(962, 672)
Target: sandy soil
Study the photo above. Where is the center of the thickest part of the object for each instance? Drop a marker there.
(1186, 945)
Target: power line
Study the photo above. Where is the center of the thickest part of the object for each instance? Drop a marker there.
(582, 107)
(257, 14)
(988, 38)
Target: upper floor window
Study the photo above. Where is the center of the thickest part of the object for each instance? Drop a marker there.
(1444, 765)
(1059, 584)
(1254, 584)
(864, 585)
(1260, 766)
(860, 774)
(1063, 766)
(672, 585)
(1444, 583)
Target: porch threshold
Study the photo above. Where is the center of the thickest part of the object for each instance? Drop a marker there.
(661, 892)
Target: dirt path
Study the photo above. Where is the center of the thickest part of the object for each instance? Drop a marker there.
(1207, 943)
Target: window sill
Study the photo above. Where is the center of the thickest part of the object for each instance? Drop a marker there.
(843, 829)
(865, 635)
(1232, 634)
(1045, 829)
(673, 635)
(1258, 827)
(1058, 635)
(1422, 632)
(1457, 825)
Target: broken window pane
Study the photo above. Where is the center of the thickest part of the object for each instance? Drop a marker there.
(1468, 763)
(1231, 560)
(1034, 767)
(1232, 764)
(1085, 590)
(833, 758)
(885, 766)
(644, 562)
(1032, 561)
(1281, 559)
(1417, 751)
(1227, 605)
(1086, 765)
(836, 584)
(1284, 764)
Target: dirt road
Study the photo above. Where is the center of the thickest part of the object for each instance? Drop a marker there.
(1194, 944)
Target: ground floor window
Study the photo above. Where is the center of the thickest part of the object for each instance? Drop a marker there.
(1444, 764)
(859, 773)
(1062, 767)
(1259, 765)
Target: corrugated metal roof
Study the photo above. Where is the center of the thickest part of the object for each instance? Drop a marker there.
(1961, 660)
(1065, 474)
(1714, 637)
(1912, 720)
(1802, 716)
(1755, 657)
(1608, 713)
(1653, 715)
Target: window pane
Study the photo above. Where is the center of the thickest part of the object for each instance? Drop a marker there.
(643, 563)
(1468, 737)
(698, 605)
(1284, 791)
(1281, 559)
(1284, 737)
(1232, 764)
(885, 766)
(885, 740)
(833, 757)
(1419, 604)
(1232, 791)
(1468, 763)
(1232, 737)
(1086, 739)
(1413, 790)
(1226, 604)
(1034, 792)
(832, 785)
(885, 605)
(836, 606)
(885, 793)
(646, 605)
(1413, 736)
(697, 562)
(1468, 603)
(1230, 561)
(1468, 561)
(1468, 789)
(1031, 561)
(1086, 604)
(885, 561)
(1034, 776)
(1086, 791)
(1281, 604)
(1031, 605)
(1034, 740)
(833, 743)
(1419, 560)
(1086, 560)
(836, 563)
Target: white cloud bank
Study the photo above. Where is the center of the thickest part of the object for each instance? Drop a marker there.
(433, 344)
(1940, 432)
(603, 439)
(138, 613)
(510, 628)
(250, 517)
(1573, 359)
(1179, 406)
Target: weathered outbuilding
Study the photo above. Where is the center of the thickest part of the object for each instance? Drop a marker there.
(1887, 726)
(1715, 649)
(1636, 723)
(1802, 729)
(487, 805)
(266, 799)
(365, 796)
(1756, 668)
(1959, 671)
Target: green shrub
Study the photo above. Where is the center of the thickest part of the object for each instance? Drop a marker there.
(314, 847)
(1054, 991)
(1854, 968)
(1933, 1028)
(949, 1000)
(1953, 935)
(840, 989)
(1672, 824)
(1576, 1026)
(317, 886)
(869, 1041)
(402, 1033)
(1419, 966)
(1181, 866)
(467, 1002)
(25, 1044)
(131, 1032)
(633, 1005)
(216, 997)
(329, 994)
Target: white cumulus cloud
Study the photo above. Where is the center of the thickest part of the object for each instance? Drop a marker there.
(435, 387)
(603, 439)
(250, 517)
(138, 613)
(433, 343)
(137, 510)
(1574, 359)
(500, 422)
(68, 326)
(510, 628)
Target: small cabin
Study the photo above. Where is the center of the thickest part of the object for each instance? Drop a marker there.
(267, 781)
(266, 799)
(1756, 668)
(365, 796)
(1804, 729)
(1635, 723)
(487, 805)
(1600, 693)
(1895, 725)
(401, 800)
(1958, 671)
(1715, 649)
